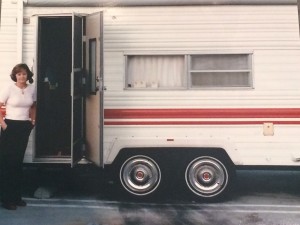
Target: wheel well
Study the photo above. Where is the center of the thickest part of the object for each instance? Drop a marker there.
(173, 162)
(175, 154)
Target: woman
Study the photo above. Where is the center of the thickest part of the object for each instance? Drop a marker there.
(20, 102)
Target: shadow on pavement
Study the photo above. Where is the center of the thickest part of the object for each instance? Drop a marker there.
(93, 183)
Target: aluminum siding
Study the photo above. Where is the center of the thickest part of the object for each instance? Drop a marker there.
(269, 32)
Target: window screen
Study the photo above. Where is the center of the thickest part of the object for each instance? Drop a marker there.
(220, 70)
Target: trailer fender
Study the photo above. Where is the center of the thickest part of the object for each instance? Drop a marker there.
(134, 142)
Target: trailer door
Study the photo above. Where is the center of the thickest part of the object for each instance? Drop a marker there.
(94, 99)
(76, 90)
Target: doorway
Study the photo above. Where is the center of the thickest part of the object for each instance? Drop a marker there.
(53, 132)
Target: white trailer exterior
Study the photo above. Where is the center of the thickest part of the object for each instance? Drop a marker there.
(248, 116)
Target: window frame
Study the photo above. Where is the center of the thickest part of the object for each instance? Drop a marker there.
(93, 66)
(250, 71)
(187, 79)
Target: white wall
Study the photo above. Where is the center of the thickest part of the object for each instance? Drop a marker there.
(8, 40)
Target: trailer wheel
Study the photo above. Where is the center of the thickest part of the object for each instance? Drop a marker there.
(207, 177)
(140, 175)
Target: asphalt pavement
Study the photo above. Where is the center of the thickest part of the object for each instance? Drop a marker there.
(89, 197)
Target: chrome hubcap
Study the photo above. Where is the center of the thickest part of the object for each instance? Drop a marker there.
(206, 176)
(140, 175)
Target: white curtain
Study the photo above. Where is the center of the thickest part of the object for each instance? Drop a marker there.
(163, 71)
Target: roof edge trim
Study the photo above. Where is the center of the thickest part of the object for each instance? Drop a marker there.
(116, 3)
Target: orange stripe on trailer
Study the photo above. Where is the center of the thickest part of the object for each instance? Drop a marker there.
(199, 123)
(202, 113)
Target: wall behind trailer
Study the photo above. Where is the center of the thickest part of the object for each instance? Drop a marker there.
(8, 40)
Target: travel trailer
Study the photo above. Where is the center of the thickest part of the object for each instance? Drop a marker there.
(161, 91)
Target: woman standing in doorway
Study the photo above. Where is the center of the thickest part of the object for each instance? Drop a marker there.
(20, 102)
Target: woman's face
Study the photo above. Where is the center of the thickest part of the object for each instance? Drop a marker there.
(21, 76)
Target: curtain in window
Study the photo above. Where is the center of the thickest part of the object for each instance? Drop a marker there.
(163, 71)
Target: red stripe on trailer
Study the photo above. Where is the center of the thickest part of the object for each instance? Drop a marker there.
(157, 123)
(202, 113)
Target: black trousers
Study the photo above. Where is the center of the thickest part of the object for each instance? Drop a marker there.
(13, 143)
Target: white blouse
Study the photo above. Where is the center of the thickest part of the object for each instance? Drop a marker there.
(18, 101)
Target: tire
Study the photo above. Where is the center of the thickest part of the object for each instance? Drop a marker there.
(140, 175)
(208, 178)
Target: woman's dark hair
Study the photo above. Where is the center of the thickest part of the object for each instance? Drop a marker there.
(18, 68)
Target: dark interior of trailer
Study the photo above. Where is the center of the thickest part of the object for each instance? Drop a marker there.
(53, 132)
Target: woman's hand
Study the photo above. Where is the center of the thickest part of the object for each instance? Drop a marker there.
(4, 126)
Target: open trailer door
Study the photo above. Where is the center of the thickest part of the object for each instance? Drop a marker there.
(94, 99)
(77, 90)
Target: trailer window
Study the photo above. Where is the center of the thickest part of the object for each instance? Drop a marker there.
(93, 65)
(155, 71)
(220, 70)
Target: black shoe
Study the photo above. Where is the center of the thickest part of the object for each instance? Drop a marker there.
(9, 205)
(21, 203)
